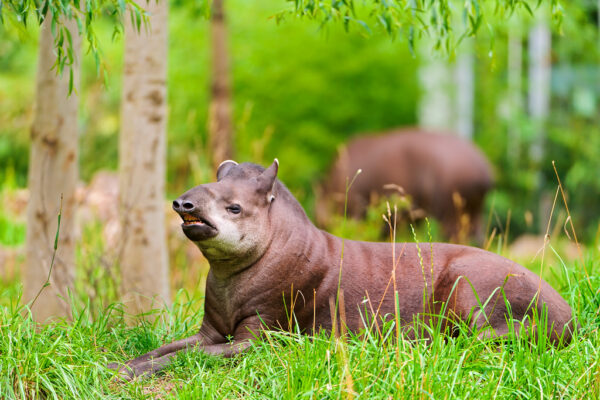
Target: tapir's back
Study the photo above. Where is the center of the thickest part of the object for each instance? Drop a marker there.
(414, 159)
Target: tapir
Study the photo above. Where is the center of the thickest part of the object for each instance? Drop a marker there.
(272, 269)
(445, 176)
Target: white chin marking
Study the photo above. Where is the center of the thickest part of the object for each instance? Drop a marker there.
(229, 234)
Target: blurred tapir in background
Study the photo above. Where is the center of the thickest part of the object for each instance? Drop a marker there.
(271, 268)
(445, 176)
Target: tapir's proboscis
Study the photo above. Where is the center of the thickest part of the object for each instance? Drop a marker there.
(263, 251)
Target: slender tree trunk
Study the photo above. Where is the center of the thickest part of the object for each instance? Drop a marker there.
(53, 172)
(515, 71)
(465, 90)
(143, 258)
(447, 93)
(220, 131)
(435, 105)
(539, 83)
(539, 106)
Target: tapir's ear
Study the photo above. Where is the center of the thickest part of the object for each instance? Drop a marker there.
(224, 168)
(266, 181)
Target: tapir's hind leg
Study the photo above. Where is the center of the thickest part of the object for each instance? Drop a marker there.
(557, 332)
(507, 299)
(487, 332)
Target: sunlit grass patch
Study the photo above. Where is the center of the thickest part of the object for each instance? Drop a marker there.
(67, 360)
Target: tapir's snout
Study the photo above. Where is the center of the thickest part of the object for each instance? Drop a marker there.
(196, 226)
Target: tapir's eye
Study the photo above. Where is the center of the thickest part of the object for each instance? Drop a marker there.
(234, 209)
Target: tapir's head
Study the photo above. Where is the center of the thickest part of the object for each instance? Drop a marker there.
(229, 219)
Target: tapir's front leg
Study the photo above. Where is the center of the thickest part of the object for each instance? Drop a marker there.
(207, 340)
(207, 336)
(139, 365)
(149, 365)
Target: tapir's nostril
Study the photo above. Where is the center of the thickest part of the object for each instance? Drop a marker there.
(180, 205)
(187, 206)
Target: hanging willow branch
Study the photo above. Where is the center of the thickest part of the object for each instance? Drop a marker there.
(19, 13)
(413, 19)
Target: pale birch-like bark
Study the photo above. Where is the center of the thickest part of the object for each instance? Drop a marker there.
(143, 258)
(220, 127)
(53, 171)
(435, 104)
(515, 100)
(447, 93)
(539, 83)
(465, 90)
(539, 106)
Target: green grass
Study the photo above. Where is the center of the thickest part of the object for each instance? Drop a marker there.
(66, 360)
(12, 230)
(11, 233)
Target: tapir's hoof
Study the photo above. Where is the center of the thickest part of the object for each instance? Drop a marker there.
(124, 371)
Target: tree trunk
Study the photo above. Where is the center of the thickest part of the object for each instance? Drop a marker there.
(515, 71)
(539, 83)
(143, 258)
(539, 105)
(447, 93)
(465, 90)
(435, 105)
(220, 133)
(53, 172)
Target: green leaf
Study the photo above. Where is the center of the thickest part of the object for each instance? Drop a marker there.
(70, 91)
(58, 225)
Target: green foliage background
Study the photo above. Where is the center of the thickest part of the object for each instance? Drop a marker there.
(299, 92)
(301, 89)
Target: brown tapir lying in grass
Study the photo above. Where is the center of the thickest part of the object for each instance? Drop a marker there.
(263, 251)
(431, 168)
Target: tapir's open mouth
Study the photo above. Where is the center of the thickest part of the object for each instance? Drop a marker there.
(191, 220)
(197, 228)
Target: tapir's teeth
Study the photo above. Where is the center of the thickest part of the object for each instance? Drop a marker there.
(193, 223)
(191, 220)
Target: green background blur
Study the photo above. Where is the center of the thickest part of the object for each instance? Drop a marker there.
(300, 91)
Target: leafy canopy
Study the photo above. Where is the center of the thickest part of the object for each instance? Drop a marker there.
(446, 22)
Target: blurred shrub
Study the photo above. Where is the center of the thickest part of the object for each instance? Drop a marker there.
(17, 63)
(577, 156)
(525, 186)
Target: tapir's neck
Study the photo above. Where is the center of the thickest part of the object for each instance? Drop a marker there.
(295, 244)
(288, 233)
